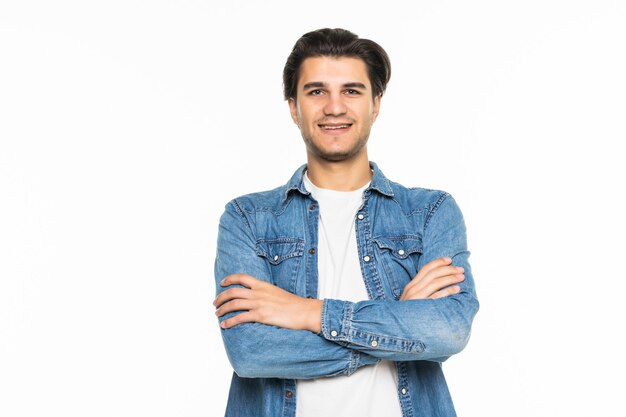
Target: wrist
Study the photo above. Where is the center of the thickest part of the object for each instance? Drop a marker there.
(314, 315)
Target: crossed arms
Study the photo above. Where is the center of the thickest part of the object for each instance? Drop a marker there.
(267, 328)
(262, 302)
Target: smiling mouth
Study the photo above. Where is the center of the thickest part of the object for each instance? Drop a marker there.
(334, 126)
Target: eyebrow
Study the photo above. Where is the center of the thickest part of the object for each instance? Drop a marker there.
(319, 84)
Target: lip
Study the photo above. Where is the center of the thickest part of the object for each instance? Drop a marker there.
(334, 128)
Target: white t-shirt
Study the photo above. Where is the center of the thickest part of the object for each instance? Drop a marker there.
(371, 391)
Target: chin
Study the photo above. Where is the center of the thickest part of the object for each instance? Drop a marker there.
(334, 157)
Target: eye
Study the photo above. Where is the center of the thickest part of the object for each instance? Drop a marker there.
(315, 92)
(352, 92)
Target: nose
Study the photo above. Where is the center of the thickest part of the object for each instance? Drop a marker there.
(334, 105)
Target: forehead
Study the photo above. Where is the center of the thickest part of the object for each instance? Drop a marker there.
(333, 70)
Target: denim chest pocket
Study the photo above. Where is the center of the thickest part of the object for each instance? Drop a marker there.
(283, 256)
(399, 257)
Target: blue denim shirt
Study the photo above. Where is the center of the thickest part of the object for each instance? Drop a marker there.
(273, 236)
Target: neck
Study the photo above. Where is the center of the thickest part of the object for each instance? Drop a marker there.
(346, 175)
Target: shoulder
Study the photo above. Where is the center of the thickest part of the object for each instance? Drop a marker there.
(274, 201)
(418, 198)
(269, 200)
(437, 208)
(411, 200)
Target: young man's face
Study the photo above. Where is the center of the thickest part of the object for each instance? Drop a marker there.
(334, 109)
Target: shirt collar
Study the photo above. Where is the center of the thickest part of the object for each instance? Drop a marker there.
(379, 183)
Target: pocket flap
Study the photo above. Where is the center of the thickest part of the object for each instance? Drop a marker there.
(400, 246)
(277, 250)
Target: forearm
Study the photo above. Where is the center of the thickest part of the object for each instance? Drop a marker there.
(417, 329)
(428, 328)
(260, 350)
(257, 350)
(261, 302)
(401, 330)
(269, 332)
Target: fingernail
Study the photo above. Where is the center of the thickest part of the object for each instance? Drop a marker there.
(460, 269)
(222, 281)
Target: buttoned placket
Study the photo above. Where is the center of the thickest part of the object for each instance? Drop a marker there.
(312, 216)
(372, 280)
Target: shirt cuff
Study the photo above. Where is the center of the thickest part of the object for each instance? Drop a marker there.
(336, 316)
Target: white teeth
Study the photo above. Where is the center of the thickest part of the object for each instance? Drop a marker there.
(335, 127)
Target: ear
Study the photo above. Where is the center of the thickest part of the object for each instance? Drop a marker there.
(293, 109)
(376, 107)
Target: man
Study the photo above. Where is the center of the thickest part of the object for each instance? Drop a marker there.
(341, 292)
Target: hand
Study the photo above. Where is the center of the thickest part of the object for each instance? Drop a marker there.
(436, 279)
(262, 302)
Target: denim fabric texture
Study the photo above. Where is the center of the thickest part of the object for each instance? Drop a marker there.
(272, 236)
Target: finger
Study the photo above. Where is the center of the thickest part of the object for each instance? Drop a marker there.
(244, 317)
(441, 283)
(435, 263)
(239, 279)
(434, 286)
(425, 279)
(428, 267)
(437, 273)
(234, 305)
(455, 289)
(231, 294)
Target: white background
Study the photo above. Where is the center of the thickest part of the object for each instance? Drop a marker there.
(126, 126)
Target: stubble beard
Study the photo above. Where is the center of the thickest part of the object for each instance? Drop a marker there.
(337, 156)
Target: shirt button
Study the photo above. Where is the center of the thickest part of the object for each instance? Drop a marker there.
(312, 251)
(366, 258)
(360, 216)
(289, 394)
(333, 333)
(401, 252)
(312, 207)
(404, 391)
(374, 343)
(275, 258)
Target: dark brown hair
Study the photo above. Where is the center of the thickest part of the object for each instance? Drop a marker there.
(337, 43)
